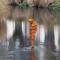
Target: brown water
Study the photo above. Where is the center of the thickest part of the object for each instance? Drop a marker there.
(15, 43)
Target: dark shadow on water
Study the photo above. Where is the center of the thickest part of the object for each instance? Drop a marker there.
(49, 41)
(18, 33)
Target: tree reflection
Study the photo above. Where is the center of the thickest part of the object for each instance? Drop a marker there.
(18, 33)
(2, 29)
(56, 35)
(50, 39)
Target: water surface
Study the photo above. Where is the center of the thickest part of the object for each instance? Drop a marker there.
(15, 43)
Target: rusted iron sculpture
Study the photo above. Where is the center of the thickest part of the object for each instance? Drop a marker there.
(32, 30)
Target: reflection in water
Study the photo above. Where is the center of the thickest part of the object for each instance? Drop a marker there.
(23, 28)
(18, 33)
(49, 56)
(25, 31)
(50, 39)
(10, 28)
(2, 30)
(42, 52)
(18, 39)
(32, 55)
(17, 44)
(56, 33)
(42, 33)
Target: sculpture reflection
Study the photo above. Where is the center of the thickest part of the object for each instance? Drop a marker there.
(32, 54)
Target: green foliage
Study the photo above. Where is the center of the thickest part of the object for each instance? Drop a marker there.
(57, 15)
(57, 2)
(55, 5)
(23, 5)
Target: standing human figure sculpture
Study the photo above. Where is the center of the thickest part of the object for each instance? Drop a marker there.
(32, 30)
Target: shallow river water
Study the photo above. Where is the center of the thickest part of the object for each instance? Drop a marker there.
(15, 43)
